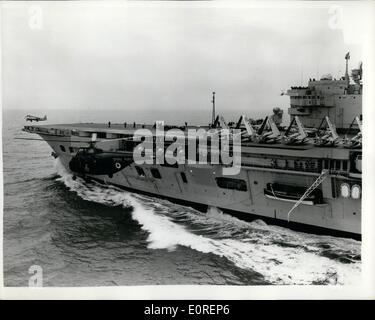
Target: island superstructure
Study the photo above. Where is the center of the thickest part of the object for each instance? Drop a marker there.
(339, 99)
(304, 176)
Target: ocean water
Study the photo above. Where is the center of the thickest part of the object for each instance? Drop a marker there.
(87, 234)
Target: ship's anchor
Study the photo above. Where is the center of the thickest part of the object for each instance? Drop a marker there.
(315, 184)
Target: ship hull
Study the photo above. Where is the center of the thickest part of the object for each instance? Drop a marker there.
(335, 216)
(301, 227)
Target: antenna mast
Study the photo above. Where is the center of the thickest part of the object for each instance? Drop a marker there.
(213, 107)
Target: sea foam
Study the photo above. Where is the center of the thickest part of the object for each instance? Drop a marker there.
(281, 256)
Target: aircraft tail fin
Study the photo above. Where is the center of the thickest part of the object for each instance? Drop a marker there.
(263, 125)
(249, 128)
(215, 122)
(359, 122)
(273, 126)
(332, 128)
(301, 128)
(223, 123)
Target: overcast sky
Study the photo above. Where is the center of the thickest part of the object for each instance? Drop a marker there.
(164, 57)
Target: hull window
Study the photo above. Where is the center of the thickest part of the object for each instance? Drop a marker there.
(183, 177)
(232, 184)
(62, 148)
(155, 173)
(140, 171)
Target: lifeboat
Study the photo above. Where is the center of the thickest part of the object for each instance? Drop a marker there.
(288, 193)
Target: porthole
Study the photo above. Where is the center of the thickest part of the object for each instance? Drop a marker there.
(356, 191)
(118, 165)
(345, 190)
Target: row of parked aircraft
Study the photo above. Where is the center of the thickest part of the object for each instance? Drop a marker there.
(296, 134)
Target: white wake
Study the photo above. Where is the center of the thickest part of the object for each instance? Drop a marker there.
(296, 264)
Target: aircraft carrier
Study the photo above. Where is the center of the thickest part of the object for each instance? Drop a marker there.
(305, 176)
